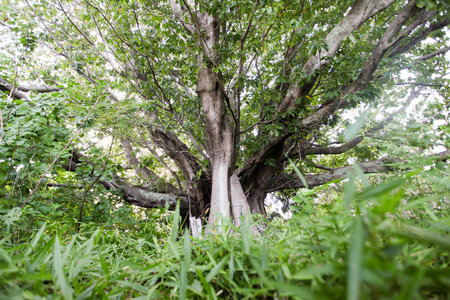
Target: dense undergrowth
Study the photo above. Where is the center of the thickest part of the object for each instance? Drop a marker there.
(375, 242)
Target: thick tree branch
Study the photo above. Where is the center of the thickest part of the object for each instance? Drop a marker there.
(436, 53)
(400, 49)
(144, 143)
(180, 13)
(38, 88)
(385, 42)
(148, 175)
(176, 150)
(143, 171)
(143, 197)
(354, 142)
(371, 64)
(259, 156)
(13, 91)
(317, 117)
(133, 194)
(336, 150)
(287, 181)
(360, 12)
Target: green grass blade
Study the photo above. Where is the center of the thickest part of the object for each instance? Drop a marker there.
(36, 239)
(414, 233)
(87, 293)
(39, 257)
(381, 189)
(216, 269)
(58, 267)
(299, 174)
(355, 260)
(349, 190)
(204, 282)
(176, 220)
(103, 264)
(183, 281)
(135, 286)
(231, 266)
(353, 129)
(173, 249)
(69, 247)
(4, 257)
(187, 248)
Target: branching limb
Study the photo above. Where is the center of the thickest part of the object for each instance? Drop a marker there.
(414, 41)
(177, 151)
(288, 181)
(38, 88)
(180, 13)
(386, 41)
(335, 150)
(355, 141)
(360, 12)
(133, 194)
(148, 175)
(14, 92)
(161, 161)
(434, 54)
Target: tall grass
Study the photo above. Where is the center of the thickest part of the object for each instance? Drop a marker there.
(362, 248)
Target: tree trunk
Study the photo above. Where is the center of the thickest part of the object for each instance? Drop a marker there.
(220, 200)
(239, 205)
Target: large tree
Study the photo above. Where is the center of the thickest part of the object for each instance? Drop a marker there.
(224, 94)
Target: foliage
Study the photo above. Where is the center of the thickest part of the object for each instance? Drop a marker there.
(387, 241)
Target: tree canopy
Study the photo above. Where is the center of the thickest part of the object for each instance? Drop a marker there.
(216, 104)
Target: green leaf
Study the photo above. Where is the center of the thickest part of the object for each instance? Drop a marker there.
(4, 257)
(381, 189)
(183, 281)
(388, 203)
(36, 239)
(349, 190)
(176, 218)
(87, 293)
(299, 174)
(354, 129)
(313, 272)
(355, 260)
(40, 255)
(58, 268)
(187, 247)
(103, 264)
(216, 269)
(204, 282)
(231, 266)
(134, 286)
(415, 233)
(173, 249)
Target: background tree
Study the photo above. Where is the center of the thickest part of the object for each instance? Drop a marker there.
(221, 94)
